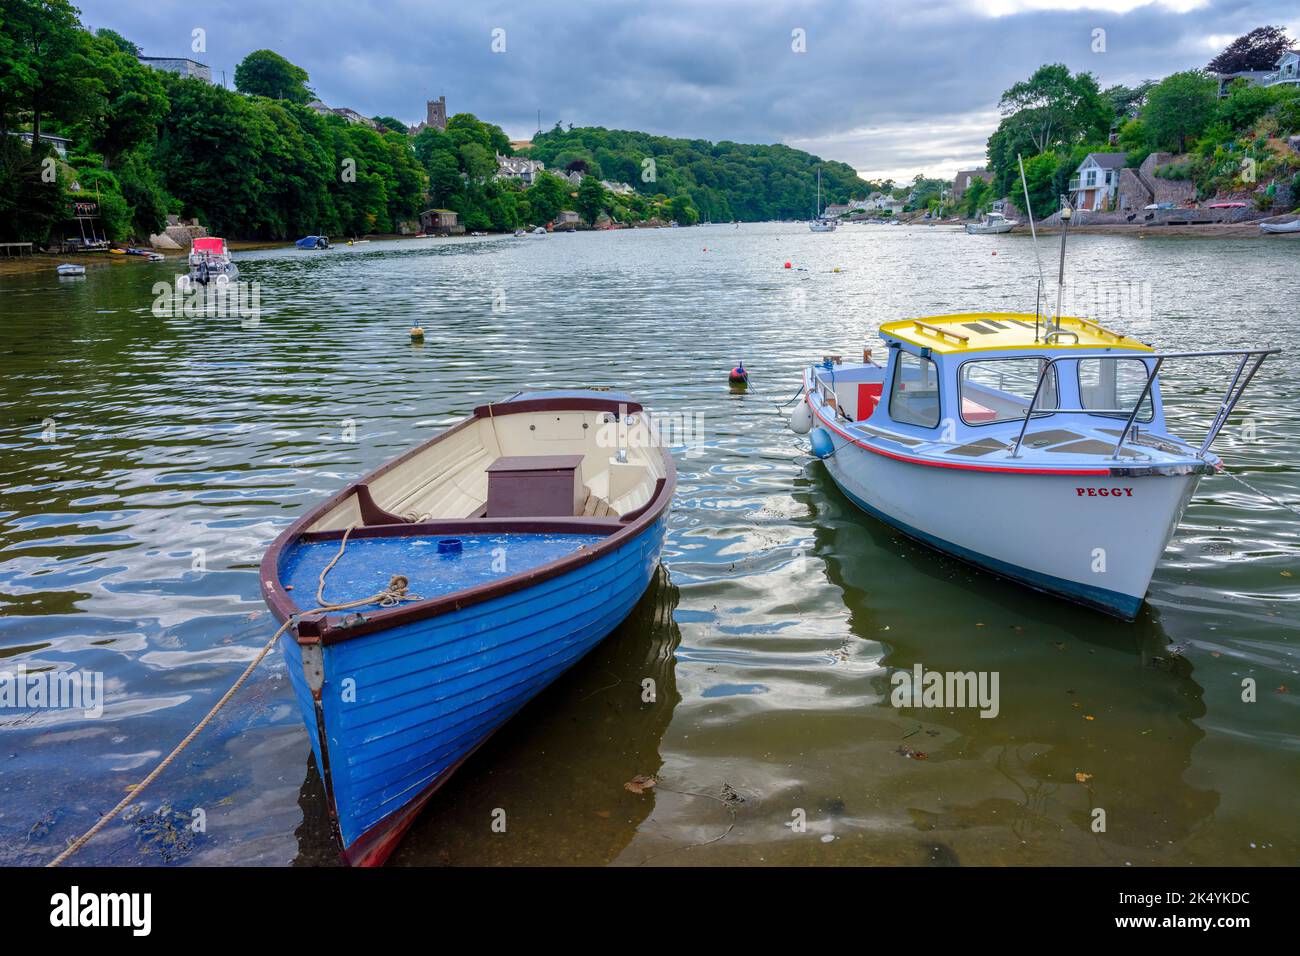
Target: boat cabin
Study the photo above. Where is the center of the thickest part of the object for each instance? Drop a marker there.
(963, 383)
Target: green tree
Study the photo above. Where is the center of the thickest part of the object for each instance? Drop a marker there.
(591, 199)
(1179, 108)
(1057, 107)
(266, 73)
(546, 197)
(44, 70)
(388, 122)
(1040, 178)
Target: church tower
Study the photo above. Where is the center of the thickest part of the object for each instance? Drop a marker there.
(437, 113)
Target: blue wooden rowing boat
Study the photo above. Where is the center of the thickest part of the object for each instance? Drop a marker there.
(436, 596)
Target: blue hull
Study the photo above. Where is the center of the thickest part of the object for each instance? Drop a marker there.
(401, 708)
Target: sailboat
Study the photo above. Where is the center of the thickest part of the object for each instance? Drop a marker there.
(821, 223)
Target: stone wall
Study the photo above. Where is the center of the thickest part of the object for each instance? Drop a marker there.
(1176, 191)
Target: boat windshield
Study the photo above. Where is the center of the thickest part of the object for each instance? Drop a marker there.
(1109, 384)
(1000, 390)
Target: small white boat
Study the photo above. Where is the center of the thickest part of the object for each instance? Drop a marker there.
(1037, 452)
(68, 269)
(1280, 227)
(539, 231)
(519, 233)
(210, 261)
(993, 223)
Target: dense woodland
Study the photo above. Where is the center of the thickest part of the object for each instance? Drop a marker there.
(256, 162)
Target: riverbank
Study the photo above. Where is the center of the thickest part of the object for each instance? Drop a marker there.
(1226, 230)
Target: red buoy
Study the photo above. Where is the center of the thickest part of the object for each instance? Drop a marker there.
(787, 265)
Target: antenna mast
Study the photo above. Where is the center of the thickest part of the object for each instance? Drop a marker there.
(1066, 213)
(1029, 211)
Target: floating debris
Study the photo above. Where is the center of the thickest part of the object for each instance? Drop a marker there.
(639, 784)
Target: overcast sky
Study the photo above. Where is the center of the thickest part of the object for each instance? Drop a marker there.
(894, 89)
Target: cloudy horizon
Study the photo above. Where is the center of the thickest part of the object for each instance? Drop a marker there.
(892, 93)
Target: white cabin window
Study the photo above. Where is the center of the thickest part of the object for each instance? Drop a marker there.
(914, 393)
(1000, 390)
(1112, 386)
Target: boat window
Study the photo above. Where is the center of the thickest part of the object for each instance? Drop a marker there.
(914, 394)
(1000, 390)
(1112, 386)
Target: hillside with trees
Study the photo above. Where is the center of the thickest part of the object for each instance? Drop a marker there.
(257, 162)
(717, 181)
(1233, 145)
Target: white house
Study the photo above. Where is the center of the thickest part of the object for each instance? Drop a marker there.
(618, 189)
(1096, 181)
(1287, 72)
(517, 167)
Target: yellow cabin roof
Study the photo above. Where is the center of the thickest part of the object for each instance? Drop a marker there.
(1004, 331)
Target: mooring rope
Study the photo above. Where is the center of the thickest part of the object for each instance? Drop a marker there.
(1263, 494)
(396, 592)
(136, 789)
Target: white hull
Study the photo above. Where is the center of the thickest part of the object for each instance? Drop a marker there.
(1280, 227)
(990, 229)
(1036, 529)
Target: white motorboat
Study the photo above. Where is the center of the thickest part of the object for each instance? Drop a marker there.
(993, 223)
(210, 261)
(1037, 452)
(69, 269)
(1280, 227)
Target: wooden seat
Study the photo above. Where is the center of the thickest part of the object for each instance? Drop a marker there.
(595, 507)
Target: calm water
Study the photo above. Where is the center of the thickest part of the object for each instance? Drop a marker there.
(181, 444)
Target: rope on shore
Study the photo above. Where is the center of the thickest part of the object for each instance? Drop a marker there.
(396, 592)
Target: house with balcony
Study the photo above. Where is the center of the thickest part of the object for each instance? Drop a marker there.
(1096, 181)
(1287, 72)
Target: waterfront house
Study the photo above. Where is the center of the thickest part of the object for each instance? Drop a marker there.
(566, 217)
(835, 210)
(1096, 181)
(441, 222)
(183, 66)
(518, 168)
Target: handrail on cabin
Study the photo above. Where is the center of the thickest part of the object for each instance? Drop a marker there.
(1236, 388)
(935, 330)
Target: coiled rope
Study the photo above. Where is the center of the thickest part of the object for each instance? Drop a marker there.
(396, 592)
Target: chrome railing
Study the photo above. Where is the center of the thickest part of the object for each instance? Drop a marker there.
(1236, 388)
